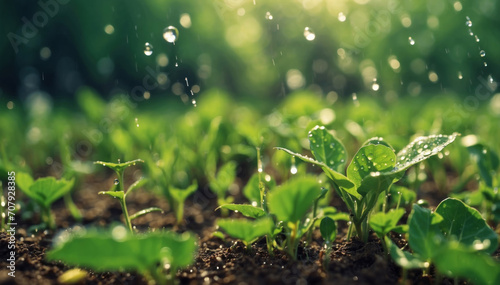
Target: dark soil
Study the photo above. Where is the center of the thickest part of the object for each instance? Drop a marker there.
(218, 261)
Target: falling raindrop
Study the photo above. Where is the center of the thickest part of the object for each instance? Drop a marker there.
(269, 16)
(468, 22)
(148, 49)
(355, 99)
(375, 85)
(471, 33)
(309, 34)
(482, 53)
(117, 182)
(341, 17)
(460, 75)
(170, 34)
(411, 41)
(477, 38)
(193, 101)
(137, 122)
(293, 169)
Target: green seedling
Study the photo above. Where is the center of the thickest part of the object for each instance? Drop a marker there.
(44, 191)
(221, 182)
(179, 196)
(118, 191)
(246, 230)
(372, 171)
(290, 203)
(382, 223)
(455, 238)
(328, 229)
(156, 255)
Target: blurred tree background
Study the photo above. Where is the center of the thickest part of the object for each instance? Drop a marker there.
(253, 49)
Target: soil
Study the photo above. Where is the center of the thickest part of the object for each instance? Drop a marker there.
(218, 261)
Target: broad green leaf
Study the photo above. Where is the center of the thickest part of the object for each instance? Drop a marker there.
(423, 230)
(404, 258)
(138, 184)
(420, 149)
(119, 167)
(291, 201)
(487, 162)
(224, 178)
(382, 223)
(24, 181)
(328, 229)
(459, 261)
(45, 190)
(251, 189)
(119, 250)
(246, 230)
(145, 211)
(465, 224)
(370, 159)
(340, 180)
(181, 195)
(114, 194)
(377, 141)
(333, 213)
(246, 210)
(327, 149)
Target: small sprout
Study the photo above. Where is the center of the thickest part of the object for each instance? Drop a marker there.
(221, 182)
(44, 191)
(328, 230)
(178, 197)
(118, 191)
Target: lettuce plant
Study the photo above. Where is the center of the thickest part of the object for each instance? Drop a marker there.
(372, 171)
(44, 191)
(455, 238)
(118, 191)
(156, 255)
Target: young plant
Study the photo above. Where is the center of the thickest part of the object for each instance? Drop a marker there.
(455, 238)
(372, 171)
(44, 191)
(118, 191)
(178, 197)
(328, 230)
(156, 255)
(221, 182)
(246, 230)
(382, 223)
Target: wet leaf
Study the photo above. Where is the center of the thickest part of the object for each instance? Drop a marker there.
(487, 162)
(145, 211)
(404, 258)
(382, 223)
(465, 224)
(423, 231)
(328, 229)
(119, 167)
(44, 191)
(138, 184)
(327, 149)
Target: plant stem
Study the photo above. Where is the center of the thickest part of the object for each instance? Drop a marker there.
(125, 214)
(73, 209)
(179, 212)
(48, 218)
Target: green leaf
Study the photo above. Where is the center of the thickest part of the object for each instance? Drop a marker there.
(291, 201)
(382, 223)
(114, 194)
(44, 190)
(404, 258)
(377, 141)
(459, 261)
(119, 250)
(403, 195)
(423, 230)
(465, 224)
(145, 211)
(487, 162)
(225, 177)
(246, 230)
(328, 229)
(420, 149)
(180, 195)
(246, 210)
(327, 149)
(339, 179)
(118, 167)
(138, 184)
(370, 159)
(252, 191)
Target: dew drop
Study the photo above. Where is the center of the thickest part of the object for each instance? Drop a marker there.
(170, 34)
(309, 34)
(471, 33)
(468, 22)
(482, 53)
(411, 41)
(375, 85)
(148, 49)
(342, 17)
(269, 16)
(117, 182)
(477, 38)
